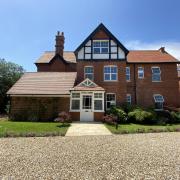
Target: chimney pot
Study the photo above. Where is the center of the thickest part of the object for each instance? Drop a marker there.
(162, 50)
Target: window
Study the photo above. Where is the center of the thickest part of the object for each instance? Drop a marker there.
(128, 98)
(140, 72)
(110, 73)
(159, 100)
(89, 72)
(156, 74)
(75, 101)
(110, 100)
(98, 101)
(127, 73)
(100, 47)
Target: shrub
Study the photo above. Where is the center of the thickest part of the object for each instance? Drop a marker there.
(119, 113)
(63, 117)
(128, 107)
(110, 119)
(140, 116)
(175, 117)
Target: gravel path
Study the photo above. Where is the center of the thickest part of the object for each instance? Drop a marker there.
(138, 156)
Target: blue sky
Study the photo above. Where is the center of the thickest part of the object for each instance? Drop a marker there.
(28, 27)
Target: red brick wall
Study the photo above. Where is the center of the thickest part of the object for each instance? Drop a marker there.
(145, 88)
(118, 87)
(56, 65)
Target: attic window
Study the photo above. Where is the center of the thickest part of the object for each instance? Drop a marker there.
(100, 47)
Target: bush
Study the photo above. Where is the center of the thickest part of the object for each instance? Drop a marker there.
(110, 119)
(140, 116)
(119, 113)
(129, 108)
(63, 117)
(175, 117)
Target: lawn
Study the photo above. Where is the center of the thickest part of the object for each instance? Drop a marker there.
(16, 129)
(138, 128)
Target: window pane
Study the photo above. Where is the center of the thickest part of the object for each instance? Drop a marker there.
(88, 69)
(107, 69)
(98, 104)
(107, 77)
(104, 43)
(89, 76)
(114, 69)
(75, 104)
(156, 70)
(96, 50)
(156, 77)
(97, 95)
(96, 44)
(158, 98)
(104, 50)
(127, 77)
(158, 105)
(113, 76)
(110, 97)
(127, 70)
(75, 95)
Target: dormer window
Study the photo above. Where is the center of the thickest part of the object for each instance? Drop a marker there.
(100, 46)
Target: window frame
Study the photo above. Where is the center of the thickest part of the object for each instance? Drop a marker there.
(129, 74)
(156, 73)
(89, 73)
(100, 99)
(128, 102)
(139, 77)
(100, 47)
(75, 98)
(110, 101)
(109, 80)
(162, 102)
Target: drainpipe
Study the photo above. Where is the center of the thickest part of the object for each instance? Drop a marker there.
(135, 94)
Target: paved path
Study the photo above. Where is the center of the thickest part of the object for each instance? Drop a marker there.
(88, 128)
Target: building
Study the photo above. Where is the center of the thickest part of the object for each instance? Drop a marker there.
(101, 72)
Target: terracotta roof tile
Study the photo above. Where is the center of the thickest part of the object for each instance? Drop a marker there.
(44, 83)
(149, 56)
(46, 57)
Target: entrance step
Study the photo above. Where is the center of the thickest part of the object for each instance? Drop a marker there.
(87, 129)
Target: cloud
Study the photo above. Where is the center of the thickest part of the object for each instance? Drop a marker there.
(171, 47)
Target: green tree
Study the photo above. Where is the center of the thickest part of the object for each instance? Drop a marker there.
(9, 74)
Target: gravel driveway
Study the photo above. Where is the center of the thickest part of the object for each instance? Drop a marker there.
(138, 156)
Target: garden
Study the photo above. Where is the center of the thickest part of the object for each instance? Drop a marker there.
(135, 119)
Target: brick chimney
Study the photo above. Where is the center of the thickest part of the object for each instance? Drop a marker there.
(59, 43)
(162, 50)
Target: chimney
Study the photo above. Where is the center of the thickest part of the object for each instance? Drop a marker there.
(59, 43)
(162, 50)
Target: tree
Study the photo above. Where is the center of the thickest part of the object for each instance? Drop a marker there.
(9, 74)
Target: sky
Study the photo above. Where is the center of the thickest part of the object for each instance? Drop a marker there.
(28, 27)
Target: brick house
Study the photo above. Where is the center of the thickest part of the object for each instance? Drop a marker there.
(101, 72)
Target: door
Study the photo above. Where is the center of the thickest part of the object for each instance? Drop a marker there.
(86, 113)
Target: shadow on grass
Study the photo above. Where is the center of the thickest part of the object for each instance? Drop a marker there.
(63, 125)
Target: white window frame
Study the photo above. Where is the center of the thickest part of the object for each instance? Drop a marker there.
(110, 101)
(156, 73)
(111, 73)
(158, 101)
(75, 98)
(128, 74)
(98, 98)
(81, 100)
(89, 73)
(140, 70)
(100, 47)
(130, 98)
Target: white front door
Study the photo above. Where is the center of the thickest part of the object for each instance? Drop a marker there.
(86, 113)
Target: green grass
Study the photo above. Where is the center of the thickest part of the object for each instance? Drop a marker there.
(18, 129)
(138, 128)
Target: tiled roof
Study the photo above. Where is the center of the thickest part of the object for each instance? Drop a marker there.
(44, 83)
(149, 56)
(46, 57)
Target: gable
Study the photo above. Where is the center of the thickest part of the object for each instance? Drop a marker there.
(87, 48)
